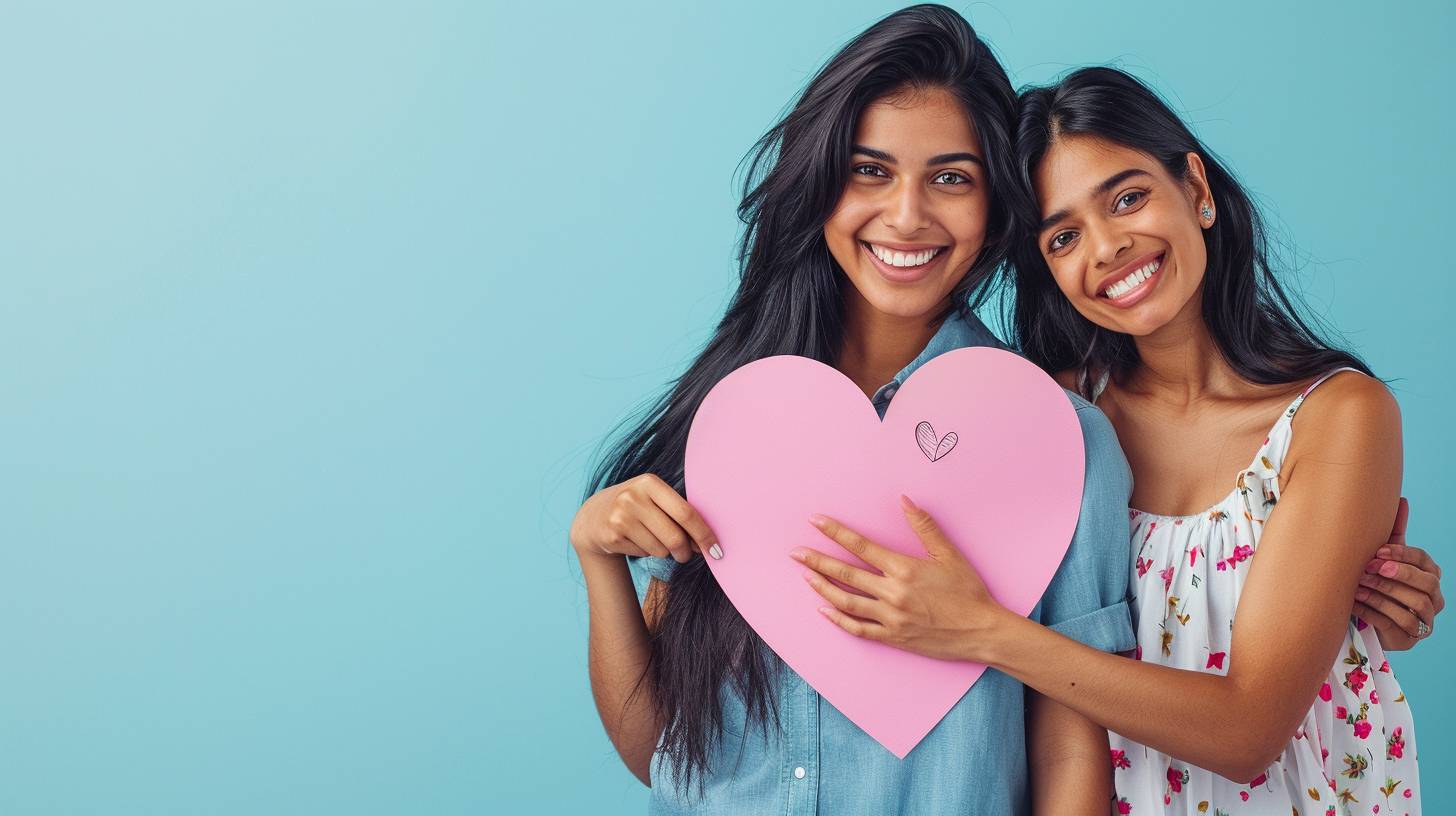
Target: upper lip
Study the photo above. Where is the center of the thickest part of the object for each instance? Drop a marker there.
(1125, 270)
(903, 247)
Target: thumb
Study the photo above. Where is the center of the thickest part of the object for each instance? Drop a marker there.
(936, 544)
(1397, 532)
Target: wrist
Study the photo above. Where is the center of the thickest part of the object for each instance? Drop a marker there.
(1004, 636)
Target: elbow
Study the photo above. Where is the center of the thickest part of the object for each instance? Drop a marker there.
(1245, 760)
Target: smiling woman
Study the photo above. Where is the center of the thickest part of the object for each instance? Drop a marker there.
(876, 212)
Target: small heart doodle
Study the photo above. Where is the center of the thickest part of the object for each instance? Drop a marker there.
(932, 448)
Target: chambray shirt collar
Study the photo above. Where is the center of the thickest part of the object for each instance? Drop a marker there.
(956, 331)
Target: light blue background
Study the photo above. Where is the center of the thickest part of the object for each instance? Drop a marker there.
(312, 316)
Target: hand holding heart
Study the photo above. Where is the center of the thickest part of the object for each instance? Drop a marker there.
(936, 606)
(643, 516)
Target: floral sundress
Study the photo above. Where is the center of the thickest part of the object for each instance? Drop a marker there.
(1354, 752)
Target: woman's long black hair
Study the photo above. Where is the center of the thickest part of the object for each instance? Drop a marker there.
(789, 301)
(1251, 318)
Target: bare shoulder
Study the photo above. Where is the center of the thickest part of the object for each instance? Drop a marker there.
(1351, 414)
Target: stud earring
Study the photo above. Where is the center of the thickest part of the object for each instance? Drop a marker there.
(1207, 212)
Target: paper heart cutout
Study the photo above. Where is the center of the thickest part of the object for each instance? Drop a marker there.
(784, 437)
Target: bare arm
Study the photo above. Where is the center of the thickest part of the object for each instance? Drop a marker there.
(1067, 756)
(617, 659)
(1336, 510)
(642, 516)
(1337, 507)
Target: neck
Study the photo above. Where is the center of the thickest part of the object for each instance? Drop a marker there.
(1180, 362)
(877, 345)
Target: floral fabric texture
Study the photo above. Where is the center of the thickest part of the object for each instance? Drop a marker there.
(1354, 752)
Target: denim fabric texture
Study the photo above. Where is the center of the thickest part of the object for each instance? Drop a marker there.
(974, 760)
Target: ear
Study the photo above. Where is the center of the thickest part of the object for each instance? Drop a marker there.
(1200, 194)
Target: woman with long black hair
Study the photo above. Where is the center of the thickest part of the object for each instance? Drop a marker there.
(1143, 278)
(876, 211)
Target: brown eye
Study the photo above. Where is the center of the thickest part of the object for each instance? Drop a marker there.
(952, 177)
(871, 170)
(1061, 240)
(1128, 199)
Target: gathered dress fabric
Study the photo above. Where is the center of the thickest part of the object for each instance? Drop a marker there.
(1355, 750)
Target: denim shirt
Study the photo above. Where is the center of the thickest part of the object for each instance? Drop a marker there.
(974, 760)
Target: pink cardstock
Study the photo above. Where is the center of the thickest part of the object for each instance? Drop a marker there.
(980, 438)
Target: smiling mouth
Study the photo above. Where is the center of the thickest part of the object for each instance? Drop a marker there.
(1134, 279)
(901, 259)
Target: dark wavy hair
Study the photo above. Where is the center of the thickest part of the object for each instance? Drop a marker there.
(789, 301)
(1255, 323)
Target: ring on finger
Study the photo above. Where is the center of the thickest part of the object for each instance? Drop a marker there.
(1422, 629)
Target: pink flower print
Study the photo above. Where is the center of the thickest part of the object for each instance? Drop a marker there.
(1138, 652)
(1176, 778)
(1407, 793)
(1355, 679)
(1167, 576)
(1119, 759)
(1341, 713)
(1362, 729)
(1124, 807)
(1259, 780)
(1222, 566)
(1193, 556)
(1395, 747)
(1374, 697)
(1384, 666)
(1360, 625)
(1325, 693)
(1244, 795)
(1143, 565)
(1215, 660)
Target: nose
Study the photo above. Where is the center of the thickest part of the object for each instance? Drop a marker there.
(906, 210)
(1106, 240)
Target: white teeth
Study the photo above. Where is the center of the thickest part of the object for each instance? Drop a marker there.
(1132, 281)
(904, 259)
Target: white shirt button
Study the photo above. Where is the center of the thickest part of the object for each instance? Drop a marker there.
(798, 773)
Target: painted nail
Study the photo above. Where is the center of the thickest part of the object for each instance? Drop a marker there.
(1368, 580)
(1389, 568)
(715, 551)
(1373, 566)
(907, 504)
(797, 554)
(818, 520)
(1362, 594)
(808, 578)
(1383, 552)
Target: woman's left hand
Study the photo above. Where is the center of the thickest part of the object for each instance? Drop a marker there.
(1400, 593)
(936, 606)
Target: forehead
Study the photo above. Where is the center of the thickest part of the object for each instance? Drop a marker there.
(917, 123)
(1073, 166)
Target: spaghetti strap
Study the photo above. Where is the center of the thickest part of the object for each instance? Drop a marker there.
(1298, 401)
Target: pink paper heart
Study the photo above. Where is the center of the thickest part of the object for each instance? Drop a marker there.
(784, 437)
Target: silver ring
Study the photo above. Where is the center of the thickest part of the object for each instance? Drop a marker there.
(1422, 628)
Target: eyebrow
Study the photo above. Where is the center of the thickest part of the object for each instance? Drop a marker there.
(944, 158)
(1102, 189)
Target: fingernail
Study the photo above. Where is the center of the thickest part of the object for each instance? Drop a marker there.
(808, 578)
(797, 554)
(715, 551)
(818, 520)
(1362, 594)
(1368, 580)
(1373, 566)
(1383, 552)
(824, 610)
(1388, 569)
(906, 503)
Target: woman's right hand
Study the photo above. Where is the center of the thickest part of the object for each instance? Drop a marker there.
(642, 516)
